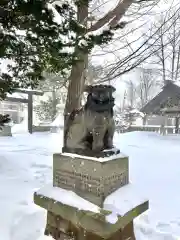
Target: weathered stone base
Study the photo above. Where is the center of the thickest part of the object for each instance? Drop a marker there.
(61, 229)
(6, 131)
(66, 219)
(91, 178)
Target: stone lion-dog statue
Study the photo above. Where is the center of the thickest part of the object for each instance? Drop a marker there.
(90, 130)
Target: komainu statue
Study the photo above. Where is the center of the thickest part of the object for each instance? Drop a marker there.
(90, 130)
(4, 119)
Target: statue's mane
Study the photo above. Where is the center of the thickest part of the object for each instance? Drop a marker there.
(94, 104)
(92, 88)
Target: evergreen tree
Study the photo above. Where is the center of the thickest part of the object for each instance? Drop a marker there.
(53, 83)
(45, 109)
(32, 40)
(4, 119)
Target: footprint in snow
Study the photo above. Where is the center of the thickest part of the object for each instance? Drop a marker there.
(29, 226)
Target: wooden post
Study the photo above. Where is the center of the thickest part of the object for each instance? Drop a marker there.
(177, 125)
(163, 124)
(54, 104)
(145, 119)
(29, 101)
(30, 113)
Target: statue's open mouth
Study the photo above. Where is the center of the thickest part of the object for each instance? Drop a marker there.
(98, 101)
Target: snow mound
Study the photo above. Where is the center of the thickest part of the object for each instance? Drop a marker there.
(20, 128)
(59, 121)
(26, 165)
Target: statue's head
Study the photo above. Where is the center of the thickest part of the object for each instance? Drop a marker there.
(100, 97)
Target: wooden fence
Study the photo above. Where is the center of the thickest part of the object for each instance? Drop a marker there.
(132, 128)
(168, 129)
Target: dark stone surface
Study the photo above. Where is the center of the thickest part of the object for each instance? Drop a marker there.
(100, 98)
(90, 129)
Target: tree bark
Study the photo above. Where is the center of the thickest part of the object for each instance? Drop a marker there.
(75, 88)
(76, 79)
(162, 58)
(177, 125)
(54, 104)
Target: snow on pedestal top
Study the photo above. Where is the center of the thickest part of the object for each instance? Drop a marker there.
(119, 203)
(100, 159)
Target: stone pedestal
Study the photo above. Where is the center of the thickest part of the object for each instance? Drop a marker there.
(90, 199)
(6, 131)
(91, 178)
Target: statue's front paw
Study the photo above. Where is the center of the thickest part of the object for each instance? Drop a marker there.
(97, 148)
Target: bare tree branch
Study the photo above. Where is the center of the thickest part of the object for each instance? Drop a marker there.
(112, 17)
(142, 53)
(168, 54)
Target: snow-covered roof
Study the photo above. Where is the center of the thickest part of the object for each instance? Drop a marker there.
(174, 109)
(177, 83)
(29, 90)
(17, 95)
(170, 91)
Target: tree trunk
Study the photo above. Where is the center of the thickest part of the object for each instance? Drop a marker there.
(76, 79)
(162, 58)
(177, 125)
(54, 104)
(75, 88)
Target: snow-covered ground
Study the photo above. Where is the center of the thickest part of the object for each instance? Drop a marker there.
(26, 165)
